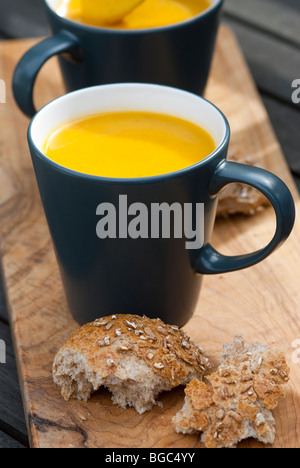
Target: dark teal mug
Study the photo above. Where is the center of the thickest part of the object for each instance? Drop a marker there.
(155, 275)
(178, 55)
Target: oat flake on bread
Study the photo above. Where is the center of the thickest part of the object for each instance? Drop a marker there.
(135, 357)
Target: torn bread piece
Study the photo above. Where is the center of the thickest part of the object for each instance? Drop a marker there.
(136, 358)
(236, 403)
(238, 198)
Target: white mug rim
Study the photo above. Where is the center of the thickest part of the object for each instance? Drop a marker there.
(36, 140)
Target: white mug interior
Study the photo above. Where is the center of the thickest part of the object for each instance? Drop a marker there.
(128, 97)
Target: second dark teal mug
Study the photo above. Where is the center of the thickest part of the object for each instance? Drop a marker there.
(178, 55)
(160, 276)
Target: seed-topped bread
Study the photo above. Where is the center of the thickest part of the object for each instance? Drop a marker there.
(135, 357)
(240, 198)
(237, 401)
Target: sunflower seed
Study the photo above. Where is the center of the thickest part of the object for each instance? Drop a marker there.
(159, 365)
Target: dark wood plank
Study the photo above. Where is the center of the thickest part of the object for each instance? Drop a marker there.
(274, 64)
(3, 308)
(12, 420)
(277, 17)
(286, 122)
(8, 442)
(22, 18)
(297, 181)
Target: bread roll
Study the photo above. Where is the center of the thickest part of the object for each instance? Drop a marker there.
(136, 358)
(237, 402)
(239, 198)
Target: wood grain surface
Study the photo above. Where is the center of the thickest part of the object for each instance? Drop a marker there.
(269, 16)
(262, 302)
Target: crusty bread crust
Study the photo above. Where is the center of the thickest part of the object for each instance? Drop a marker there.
(237, 401)
(117, 351)
(239, 198)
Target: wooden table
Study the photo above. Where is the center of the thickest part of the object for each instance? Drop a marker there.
(268, 32)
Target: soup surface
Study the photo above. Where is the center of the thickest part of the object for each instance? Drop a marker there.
(148, 14)
(128, 144)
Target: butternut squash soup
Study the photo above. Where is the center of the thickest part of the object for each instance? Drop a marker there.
(131, 14)
(128, 144)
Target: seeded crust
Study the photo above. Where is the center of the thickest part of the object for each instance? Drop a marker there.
(136, 358)
(239, 198)
(237, 401)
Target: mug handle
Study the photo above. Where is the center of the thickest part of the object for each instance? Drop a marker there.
(31, 63)
(210, 261)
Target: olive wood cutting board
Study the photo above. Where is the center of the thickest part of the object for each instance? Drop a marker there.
(263, 303)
